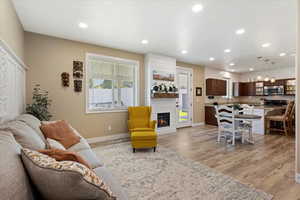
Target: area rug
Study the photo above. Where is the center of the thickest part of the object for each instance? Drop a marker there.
(165, 175)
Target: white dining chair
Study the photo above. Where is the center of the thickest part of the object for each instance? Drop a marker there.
(227, 124)
(247, 125)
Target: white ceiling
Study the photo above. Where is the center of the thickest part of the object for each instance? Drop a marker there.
(170, 26)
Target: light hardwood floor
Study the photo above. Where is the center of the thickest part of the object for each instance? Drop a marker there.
(267, 165)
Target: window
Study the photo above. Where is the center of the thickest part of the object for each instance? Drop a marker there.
(112, 83)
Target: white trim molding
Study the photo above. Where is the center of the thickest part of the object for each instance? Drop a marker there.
(108, 138)
(6, 47)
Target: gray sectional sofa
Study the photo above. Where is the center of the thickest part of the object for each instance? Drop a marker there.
(24, 131)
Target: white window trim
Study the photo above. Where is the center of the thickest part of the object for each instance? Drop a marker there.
(114, 59)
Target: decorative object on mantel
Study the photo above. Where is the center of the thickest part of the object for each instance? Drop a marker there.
(65, 79)
(164, 90)
(77, 85)
(78, 69)
(40, 104)
(198, 91)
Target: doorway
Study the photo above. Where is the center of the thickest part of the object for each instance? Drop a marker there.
(184, 102)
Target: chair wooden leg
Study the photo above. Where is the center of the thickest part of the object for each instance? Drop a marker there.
(219, 136)
(285, 128)
(154, 149)
(268, 127)
(133, 150)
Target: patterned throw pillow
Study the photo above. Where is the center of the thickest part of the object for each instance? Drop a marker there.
(64, 180)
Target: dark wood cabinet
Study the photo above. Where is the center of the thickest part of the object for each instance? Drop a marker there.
(247, 89)
(216, 87)
(210, 117)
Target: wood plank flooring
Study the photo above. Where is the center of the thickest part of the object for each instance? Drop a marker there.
(268, 165)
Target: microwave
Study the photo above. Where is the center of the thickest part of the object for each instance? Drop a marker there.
(274, 90)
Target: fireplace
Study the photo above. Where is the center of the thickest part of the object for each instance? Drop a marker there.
(163, 120)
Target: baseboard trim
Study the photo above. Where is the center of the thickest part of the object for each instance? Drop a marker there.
(197, 124)
(297, 178)
(108, 138)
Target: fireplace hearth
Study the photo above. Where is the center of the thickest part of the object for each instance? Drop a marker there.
(163, 120)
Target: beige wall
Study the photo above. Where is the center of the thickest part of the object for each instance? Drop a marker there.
(297, 97)
(198, 81)
(11, 30)
(47, 57)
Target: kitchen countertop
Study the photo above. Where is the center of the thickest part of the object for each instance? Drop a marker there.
(256, 106)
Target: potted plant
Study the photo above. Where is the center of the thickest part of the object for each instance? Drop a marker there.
(40, 104)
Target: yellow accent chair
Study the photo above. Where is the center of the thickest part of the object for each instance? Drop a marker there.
(142, 128)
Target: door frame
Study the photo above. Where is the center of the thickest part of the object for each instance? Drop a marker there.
(190, 123)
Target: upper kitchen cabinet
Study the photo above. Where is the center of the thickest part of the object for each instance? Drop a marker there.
(249, 89)
(244, 89)
(216, 87)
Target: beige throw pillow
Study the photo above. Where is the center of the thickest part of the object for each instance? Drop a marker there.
(65, 180)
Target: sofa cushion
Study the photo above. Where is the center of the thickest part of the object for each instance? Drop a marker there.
(90, 157)
(114, 185)
(53, 144)
(61, 132)
(25, 135)
(82, 145)
(14, 182)
(33, 122)
(64, 180)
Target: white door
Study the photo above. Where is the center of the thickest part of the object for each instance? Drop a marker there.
(184, 103)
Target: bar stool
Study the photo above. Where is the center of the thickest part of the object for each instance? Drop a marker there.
(284, 119)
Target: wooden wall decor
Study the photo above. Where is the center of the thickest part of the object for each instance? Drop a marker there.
(77, 85)
(78, 69)
(65, 79)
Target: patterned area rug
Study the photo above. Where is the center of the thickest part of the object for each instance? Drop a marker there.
(165, 175)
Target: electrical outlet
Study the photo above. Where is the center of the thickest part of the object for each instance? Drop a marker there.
(109, 127)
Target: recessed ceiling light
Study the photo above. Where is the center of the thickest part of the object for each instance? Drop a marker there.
(211, 58)
(266, 45)
(227, 50)
(144, 41)
(231, 64)
(197, 8)
(251, 69)
(240, 31)
(282, 54)
(82, 25)
(267, 79)
(259, 78)
(232, 70)
(184, 52)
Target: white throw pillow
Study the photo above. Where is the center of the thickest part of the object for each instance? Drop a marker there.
(53, 144)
